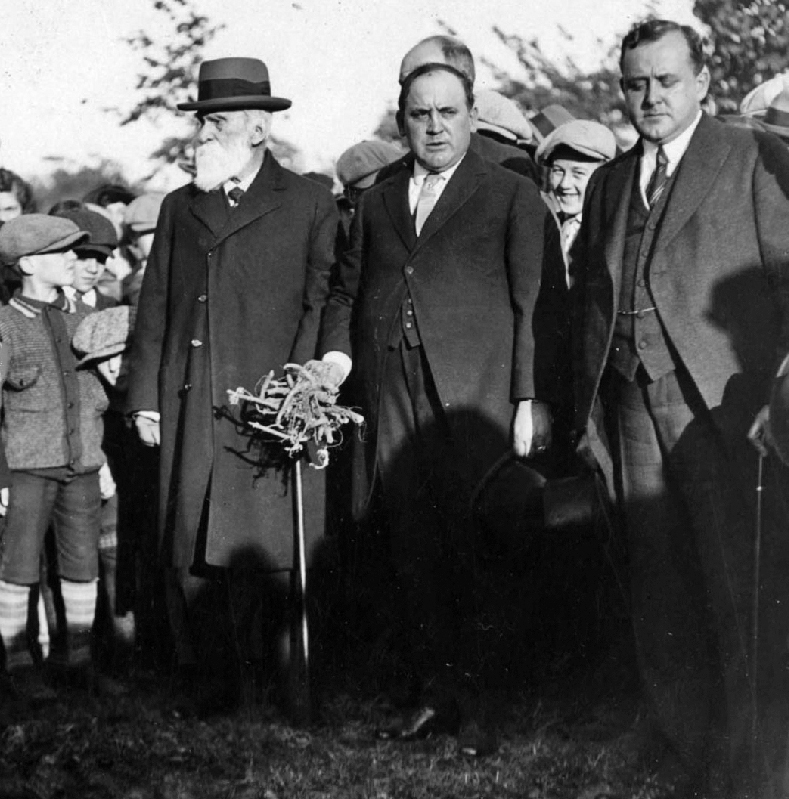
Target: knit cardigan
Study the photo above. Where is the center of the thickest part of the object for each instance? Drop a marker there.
(44, 427)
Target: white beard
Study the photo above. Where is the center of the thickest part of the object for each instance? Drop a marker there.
(216, 163)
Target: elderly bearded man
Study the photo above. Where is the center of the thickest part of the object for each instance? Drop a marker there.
(441, 281)
(234, 287)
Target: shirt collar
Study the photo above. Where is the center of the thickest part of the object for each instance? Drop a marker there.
(420, 172)
(241, 184)
(674, 149)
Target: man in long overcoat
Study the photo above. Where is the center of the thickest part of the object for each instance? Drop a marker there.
(234, 288)
(435, 303)
(682, 290)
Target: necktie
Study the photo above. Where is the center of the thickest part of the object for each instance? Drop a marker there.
(659, 177)
(235, 194)
(428, 197)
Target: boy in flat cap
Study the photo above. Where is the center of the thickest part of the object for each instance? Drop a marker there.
(51, 434)
(92, 256)
(571, 154)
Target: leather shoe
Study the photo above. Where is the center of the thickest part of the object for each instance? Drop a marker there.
(426, 721)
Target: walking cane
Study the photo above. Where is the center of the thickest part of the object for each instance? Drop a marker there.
(300, 699)
(757, 557)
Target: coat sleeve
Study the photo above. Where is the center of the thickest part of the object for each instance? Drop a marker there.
(533, 251)
(320, 259)
(771, 204)
(146, 351)
(336, 329)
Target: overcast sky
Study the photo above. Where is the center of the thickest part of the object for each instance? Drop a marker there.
(64, 64)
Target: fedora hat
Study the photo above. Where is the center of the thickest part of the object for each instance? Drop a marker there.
(776, 117)
(234, 84)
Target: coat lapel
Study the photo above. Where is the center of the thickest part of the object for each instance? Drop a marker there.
(262, 197)
(618, 191)
(210, 208)
(696, 174)
(456, 194)
(396, 202)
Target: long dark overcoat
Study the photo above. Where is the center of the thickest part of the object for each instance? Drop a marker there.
(719, 272)
(474, 275)
(229, 295)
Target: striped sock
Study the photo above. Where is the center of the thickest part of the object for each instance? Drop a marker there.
(79, 600)
(13, 624)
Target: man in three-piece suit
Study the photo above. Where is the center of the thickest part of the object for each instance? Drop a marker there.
(234, 287)
(680, 309)
(434, 301)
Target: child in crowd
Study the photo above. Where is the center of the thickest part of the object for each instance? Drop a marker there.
(51, 436)
(102, 339)
(92, 256)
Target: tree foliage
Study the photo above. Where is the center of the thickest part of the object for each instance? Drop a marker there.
(167, 77)
(66, 183)
(749, 43)
(585, 94)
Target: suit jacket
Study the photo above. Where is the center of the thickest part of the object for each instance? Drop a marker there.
(226, 297)
(474, 275)
(718, 273)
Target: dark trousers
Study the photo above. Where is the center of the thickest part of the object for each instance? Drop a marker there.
(71, 503)
(690, 539)
(426, 499)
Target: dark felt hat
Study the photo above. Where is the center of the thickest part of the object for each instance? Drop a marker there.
(36, 234)
(234, 84)
(103, 238)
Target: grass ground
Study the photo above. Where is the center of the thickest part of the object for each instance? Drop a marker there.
(572, 738)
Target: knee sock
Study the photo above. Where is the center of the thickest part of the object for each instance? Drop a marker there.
(13, 624)
(79, 600)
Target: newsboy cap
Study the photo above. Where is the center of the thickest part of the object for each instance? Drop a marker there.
(358, 165)
(103, 334)
(500, 115)
(234, 84)
(776, 117)
(142, 213)
(36, 234)
(103, 238)
(590, 139)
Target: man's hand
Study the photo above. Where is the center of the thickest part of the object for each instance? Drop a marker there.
(148, 430)
(106, 482)
(3, 501)
(760, 434)
(328, 373)
(531, 428)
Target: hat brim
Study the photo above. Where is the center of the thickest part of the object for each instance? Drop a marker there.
(97, 249)
(102, 354)
(241, 103)
(67, 243)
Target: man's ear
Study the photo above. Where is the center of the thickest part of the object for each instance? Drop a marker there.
(400, 123)
(474, 114)
(25, 265)
(262, 129)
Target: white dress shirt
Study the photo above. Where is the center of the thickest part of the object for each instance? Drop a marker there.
(418, 179)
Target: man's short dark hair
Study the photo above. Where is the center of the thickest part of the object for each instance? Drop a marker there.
(651, 30)
(11, 183)
(426, 69)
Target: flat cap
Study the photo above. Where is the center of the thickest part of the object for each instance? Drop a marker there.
(103, 334)
(142, 212)
(499, 114)
(547, 119)
(590, 139)
(358, 165)
(103, 238)
(35, 234)
(759, 99)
